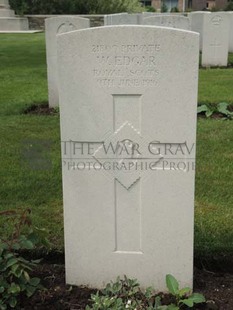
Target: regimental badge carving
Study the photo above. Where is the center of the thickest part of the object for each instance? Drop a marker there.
(66, 27)
(216, 20)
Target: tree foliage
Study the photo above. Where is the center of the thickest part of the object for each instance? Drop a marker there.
(75, 6)
(229, 6)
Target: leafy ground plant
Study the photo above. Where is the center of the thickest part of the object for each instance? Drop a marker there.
(126, 294)
(15, 270)
(182, 296)
(222, 108)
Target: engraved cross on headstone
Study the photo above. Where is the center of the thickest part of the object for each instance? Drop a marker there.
(215, 47)
(127, 184)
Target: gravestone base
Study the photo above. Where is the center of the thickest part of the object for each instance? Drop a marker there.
(8, 21)
(13, 24)
(20, 31)
(7, 13)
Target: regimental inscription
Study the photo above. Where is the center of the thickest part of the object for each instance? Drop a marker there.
(126, 65)
(66, 27)
(216, 20)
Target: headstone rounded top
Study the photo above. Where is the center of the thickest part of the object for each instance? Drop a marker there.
(66, 23)
(132, 28)
(122, 59)
(165, 20)
(54, 26)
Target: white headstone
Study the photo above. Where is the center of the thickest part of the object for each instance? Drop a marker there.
(197, 21)
(172, 21)
(231, 32)
(54, 26)
(122, 19)
(128, 211)
(215, 39)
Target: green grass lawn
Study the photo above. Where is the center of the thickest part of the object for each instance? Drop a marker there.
(215, 85)
(22, 72)
(214, 195)
(23, 185)
(230, 59)
(23, 82)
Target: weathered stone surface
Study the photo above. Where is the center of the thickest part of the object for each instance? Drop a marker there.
(231, 32)
(13, 24)
(197, 24)
(54, 26)
(37, 22)
(4, 4)
(168, 20)
(122, 19)
(7, 20)
(128, 121)
(6, 13)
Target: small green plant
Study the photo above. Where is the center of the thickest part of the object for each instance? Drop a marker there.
(20, 6)
(126, 294)
(222, 108)
(182, 296)
(56, 110)
(229, 6)
(214, 9)
(164, 7)
(15, 270)
(75, 6)
(174, 9)
(117, 295)
(150, 8)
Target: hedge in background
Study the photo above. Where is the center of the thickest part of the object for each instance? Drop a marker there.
(75, 6)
